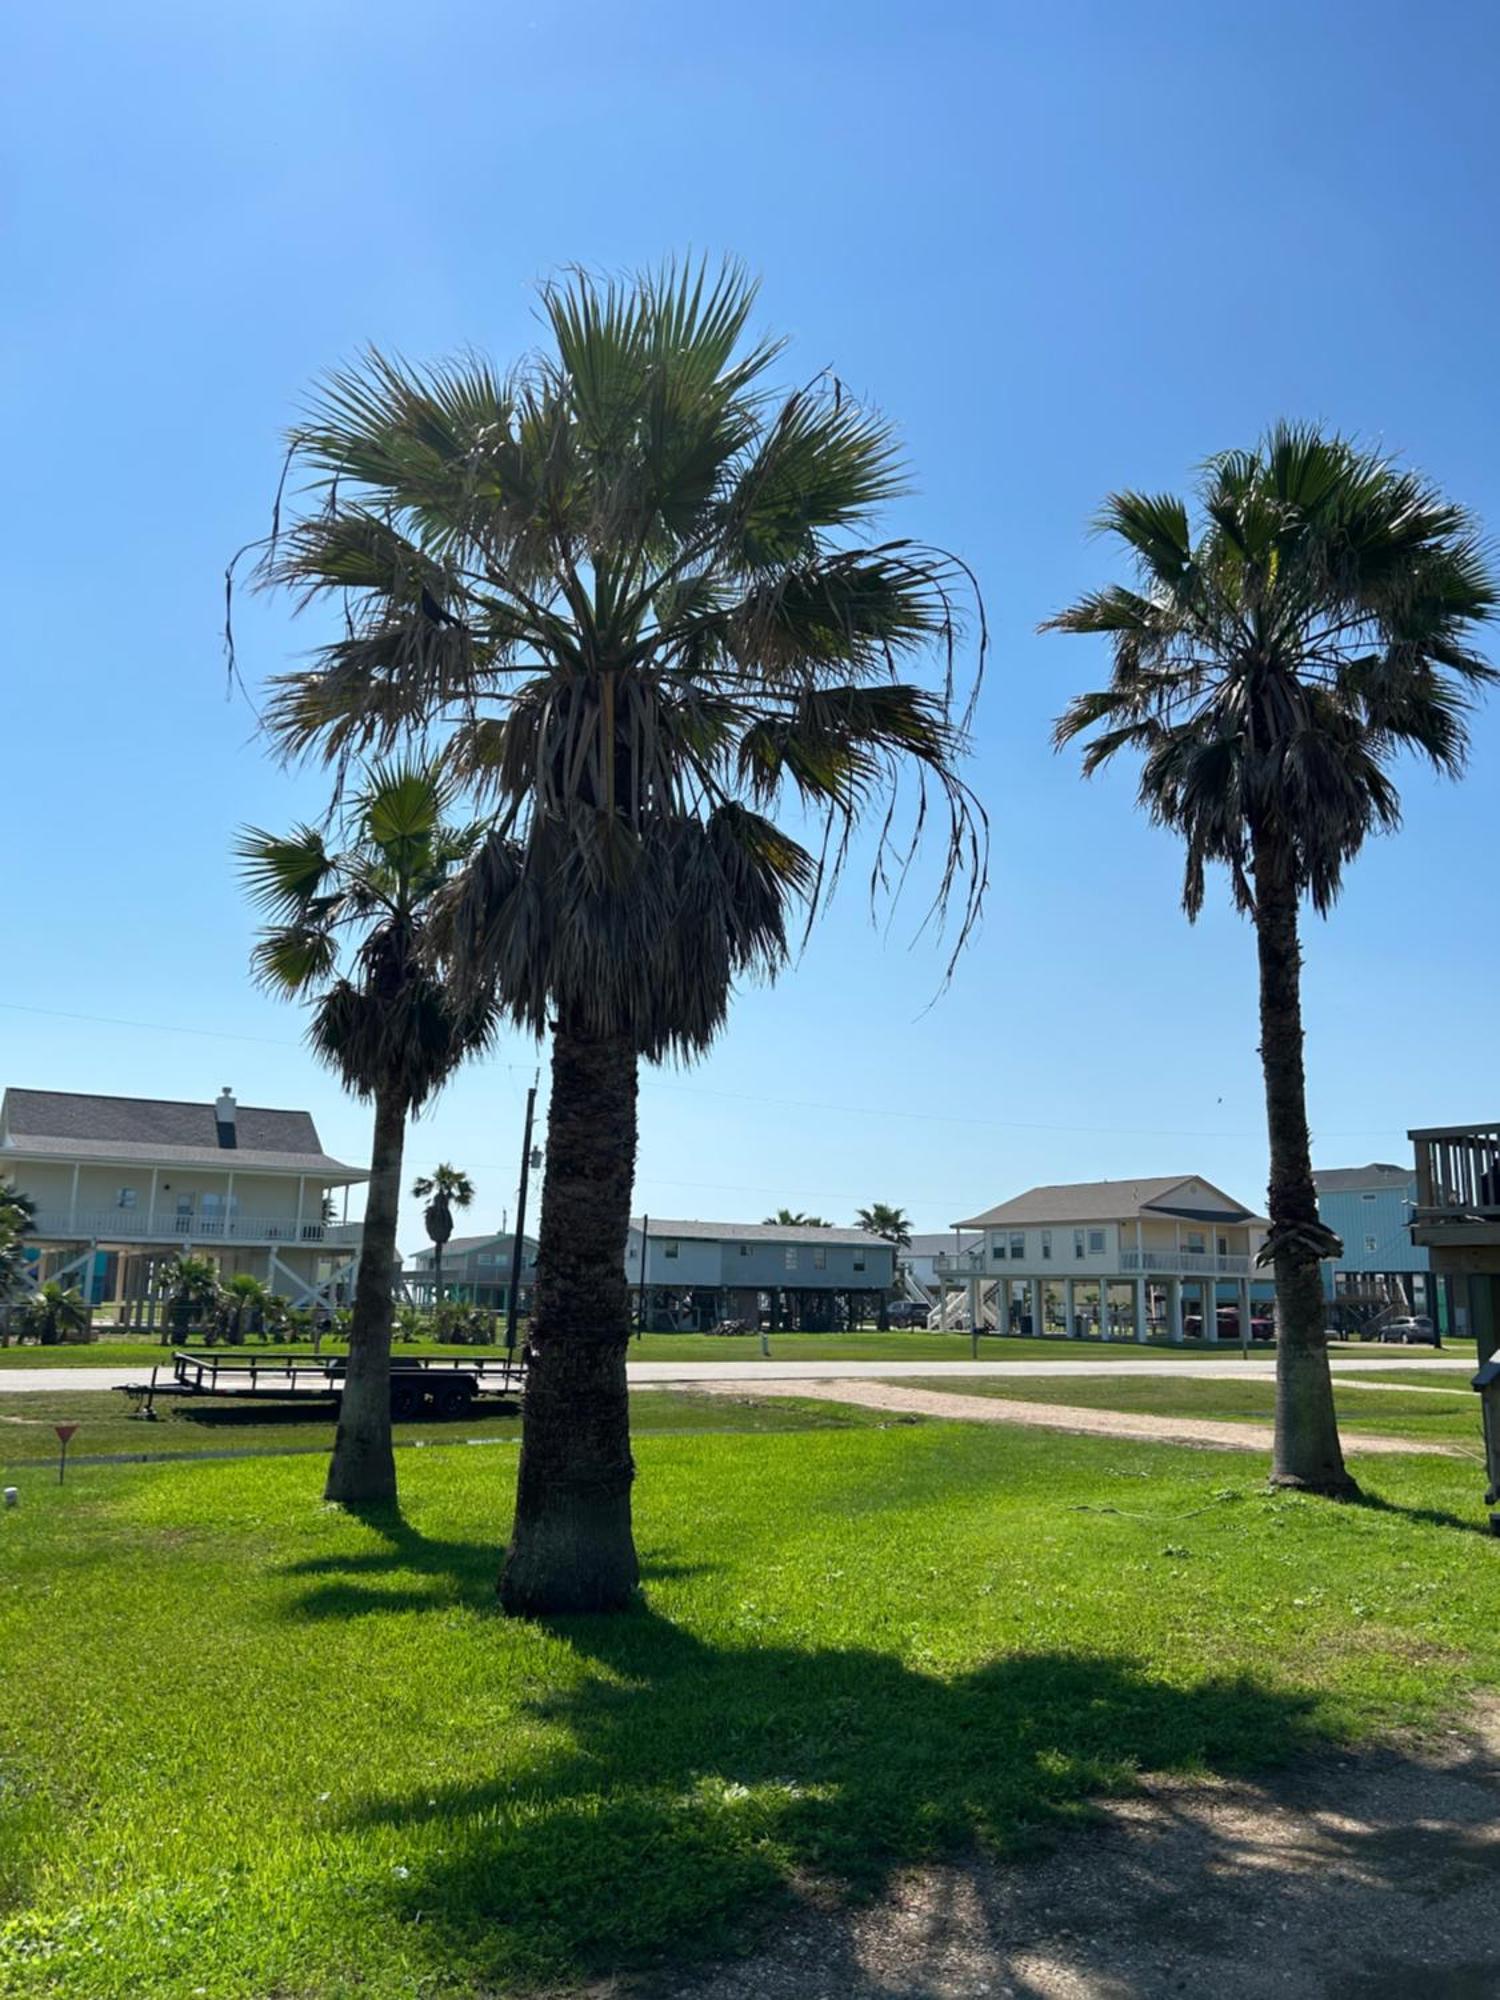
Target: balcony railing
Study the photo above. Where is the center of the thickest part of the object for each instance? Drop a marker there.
(1165, 1263)
(1458, 1176)
(133, 1225)
(1186, 1263)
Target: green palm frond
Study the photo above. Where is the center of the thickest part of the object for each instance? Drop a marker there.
(1269, 672)
(627, 587)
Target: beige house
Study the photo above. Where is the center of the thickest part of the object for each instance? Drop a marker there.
(1131, 1257)
(121, 1184)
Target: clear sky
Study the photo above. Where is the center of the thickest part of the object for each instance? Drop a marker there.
(1064, 247)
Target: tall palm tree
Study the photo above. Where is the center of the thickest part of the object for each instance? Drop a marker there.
(1268, 670)
(347, 933)
(894, 1224)
(444, 1189)
(795, 1218)
(627, 585)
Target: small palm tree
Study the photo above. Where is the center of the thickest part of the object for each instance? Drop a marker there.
(794, 1218)
(190, 1287)
(348, 935)
(54, 1311)
(444, 1189)
(17, 1214)
(245, 1300)
(1268, 670)
(629, 585)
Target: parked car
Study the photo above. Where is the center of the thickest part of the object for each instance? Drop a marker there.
(1415, 1330)
(903, 1313)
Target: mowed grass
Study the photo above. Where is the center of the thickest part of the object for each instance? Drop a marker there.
(107, 1429)
(253, 1746)
(1452, 1419)
(864, 1345)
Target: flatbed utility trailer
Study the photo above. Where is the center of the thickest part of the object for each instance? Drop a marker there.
(440, 1385)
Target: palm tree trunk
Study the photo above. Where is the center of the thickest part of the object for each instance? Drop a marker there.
(363, 1469)
(1307, 1450)
(437, 1274)
(572, 1548)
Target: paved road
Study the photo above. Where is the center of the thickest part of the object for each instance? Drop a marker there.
(1260, 1368)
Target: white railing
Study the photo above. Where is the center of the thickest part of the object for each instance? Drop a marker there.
(1185, 1263)
(134, 1225)
(1171, 1263)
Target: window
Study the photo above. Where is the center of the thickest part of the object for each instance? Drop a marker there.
(1196, 1243)
(125, 1198)
(1371, 1245)
(744, 1249)
(1018, 1244)
(997, 1252)
(1096, 1242)
(1046, 1246)
(669, 1249)
(1077, 1242)
(820, 1259)
(859, 1260)
(1367, 1197)
(1223, 1246)
(791, 1256)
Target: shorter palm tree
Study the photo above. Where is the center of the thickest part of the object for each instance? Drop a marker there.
(190, 1287)
(348, 933)
(245, 1299)
(17, 1212)
(444, 1189)
(793, 1218)
(54, 1311)
(1270, 666)
(894, 1224)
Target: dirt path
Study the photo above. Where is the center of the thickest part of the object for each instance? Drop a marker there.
(1213, 1433)
(1363, 1877)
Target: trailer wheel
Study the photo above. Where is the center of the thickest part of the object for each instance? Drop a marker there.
(451, 1399)
(406, 1399)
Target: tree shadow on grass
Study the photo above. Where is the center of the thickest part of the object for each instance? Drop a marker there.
(697, 1782)
(1432, 1517)
(443, 1573)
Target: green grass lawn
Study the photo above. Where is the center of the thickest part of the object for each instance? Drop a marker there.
(1450, 1419)
(107, 1429)
(861, 1347)
(250, 1745)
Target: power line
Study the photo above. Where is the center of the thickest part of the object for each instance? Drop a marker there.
(882, 1111)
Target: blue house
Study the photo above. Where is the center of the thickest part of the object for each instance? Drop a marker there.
(1370, 1208)
(694, 1274)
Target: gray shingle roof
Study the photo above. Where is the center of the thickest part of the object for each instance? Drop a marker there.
(755, 1232)
(82, 1125)
(463, 1246)
(1094, 1201)
(1352, 1180)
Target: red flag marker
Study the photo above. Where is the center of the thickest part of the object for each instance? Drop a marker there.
(64, 1432)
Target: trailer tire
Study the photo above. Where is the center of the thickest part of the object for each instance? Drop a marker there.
(452, 1399)
(406, 1399)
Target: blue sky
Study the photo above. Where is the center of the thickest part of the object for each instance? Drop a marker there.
(1064, 248)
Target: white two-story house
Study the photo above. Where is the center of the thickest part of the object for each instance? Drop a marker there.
(1132, 1257)
(122, 1184)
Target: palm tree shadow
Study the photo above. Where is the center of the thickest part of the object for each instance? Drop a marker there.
(675, 1786)
(1433, 1517)
(362, 1583)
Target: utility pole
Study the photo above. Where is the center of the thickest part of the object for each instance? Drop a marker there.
(640, 1311)
(519, 1238)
